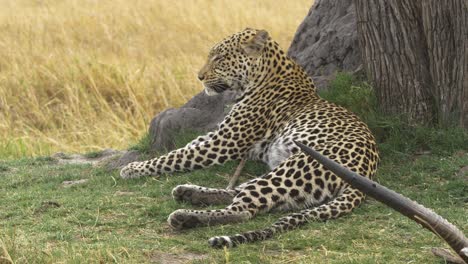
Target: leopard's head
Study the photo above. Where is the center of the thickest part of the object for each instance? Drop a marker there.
(231, 61)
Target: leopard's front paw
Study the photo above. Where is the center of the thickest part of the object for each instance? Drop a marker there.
(181, 219)
(183, 193)
(132, 170)
(201, 196)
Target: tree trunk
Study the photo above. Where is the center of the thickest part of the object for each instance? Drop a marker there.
(395, 54)
(415, 52)
(446, 30)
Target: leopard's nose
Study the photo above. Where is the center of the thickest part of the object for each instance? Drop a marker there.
(201, 77)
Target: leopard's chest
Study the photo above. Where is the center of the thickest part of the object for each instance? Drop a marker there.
(272, 152)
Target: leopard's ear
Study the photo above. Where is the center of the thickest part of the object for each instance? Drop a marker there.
(254, 46)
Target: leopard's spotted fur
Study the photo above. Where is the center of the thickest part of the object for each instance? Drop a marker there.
(278, 104)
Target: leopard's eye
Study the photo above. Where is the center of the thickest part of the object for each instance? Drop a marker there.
(218, 58)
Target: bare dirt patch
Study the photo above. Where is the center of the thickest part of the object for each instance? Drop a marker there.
(97, 158)
(175, 258)
(109, 159)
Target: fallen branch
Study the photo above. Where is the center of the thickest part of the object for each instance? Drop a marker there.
(422, 215)
(235, 176)
(447, 255)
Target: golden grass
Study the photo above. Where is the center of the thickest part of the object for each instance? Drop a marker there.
(82, 75)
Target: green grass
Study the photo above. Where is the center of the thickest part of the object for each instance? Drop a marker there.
(108, 219)
(143, 145)
(397, 139)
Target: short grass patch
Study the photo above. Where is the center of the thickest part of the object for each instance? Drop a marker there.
(107, 219)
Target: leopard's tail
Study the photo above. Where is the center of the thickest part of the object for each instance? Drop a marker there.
(342, 204)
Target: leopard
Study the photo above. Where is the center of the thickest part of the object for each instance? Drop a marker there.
(278, 105)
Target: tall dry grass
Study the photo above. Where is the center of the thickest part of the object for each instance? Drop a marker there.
(81, 75)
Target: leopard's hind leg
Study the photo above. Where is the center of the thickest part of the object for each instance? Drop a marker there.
(343, 204)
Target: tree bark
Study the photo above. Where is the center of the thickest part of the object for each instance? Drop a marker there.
(416, 54)
(446, 29)
(395, 55)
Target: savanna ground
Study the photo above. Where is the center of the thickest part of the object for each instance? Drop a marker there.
(107, 219)
(78, 76)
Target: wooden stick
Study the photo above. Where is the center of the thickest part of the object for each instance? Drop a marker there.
(422, 215)
(447, 255)
(235, 176)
